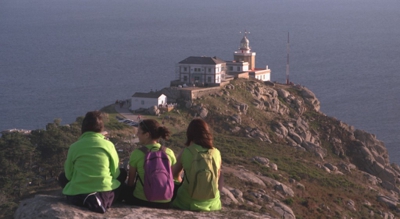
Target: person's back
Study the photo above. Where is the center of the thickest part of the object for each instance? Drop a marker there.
(184, 198)
(201, 163)
(91, 165)
(92, 177)
(149, 131)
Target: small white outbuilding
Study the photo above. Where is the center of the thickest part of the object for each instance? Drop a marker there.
(147, 100)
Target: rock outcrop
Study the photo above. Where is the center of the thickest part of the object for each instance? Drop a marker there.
(56, 207)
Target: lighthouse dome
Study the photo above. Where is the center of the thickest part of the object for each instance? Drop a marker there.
(244, 44)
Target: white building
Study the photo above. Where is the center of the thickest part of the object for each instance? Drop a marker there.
(201, 69)
(212, 71)
(147, 100)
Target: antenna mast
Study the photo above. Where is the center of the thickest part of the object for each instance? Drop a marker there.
(287, 64)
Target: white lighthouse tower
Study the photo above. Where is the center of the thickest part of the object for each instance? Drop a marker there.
(244, 53)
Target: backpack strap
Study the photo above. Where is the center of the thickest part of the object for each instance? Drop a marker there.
(144, 149)
(192, 151)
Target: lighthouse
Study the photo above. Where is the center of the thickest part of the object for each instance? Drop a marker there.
(244, 53)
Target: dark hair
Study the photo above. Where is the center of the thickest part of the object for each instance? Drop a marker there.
(153, 127)
(92, 122)
(199, 133)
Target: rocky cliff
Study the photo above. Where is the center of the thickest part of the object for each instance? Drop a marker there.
(282, 158)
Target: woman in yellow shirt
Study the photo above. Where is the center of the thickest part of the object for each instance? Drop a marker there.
(149, 132)
(199, 190)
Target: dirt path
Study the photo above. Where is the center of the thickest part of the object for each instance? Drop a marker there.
(124, 111)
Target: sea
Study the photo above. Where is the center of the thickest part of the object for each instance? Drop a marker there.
(60, 59)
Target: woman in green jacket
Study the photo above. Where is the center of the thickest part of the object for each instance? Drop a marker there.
(92, 176)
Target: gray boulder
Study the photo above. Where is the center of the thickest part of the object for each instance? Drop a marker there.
(203, 112)
(153, 110)
(249, 177)
(261, 160)
(293, 135)
(283, 93)
(47, 206)
(331, 167)
(284, 211)
(280, 130)
(285, 190)
(310, 98)
(391, 202)
(225, 192)
(316, 149)
(236, 118)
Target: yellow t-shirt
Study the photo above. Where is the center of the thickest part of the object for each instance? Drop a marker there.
(137, 161)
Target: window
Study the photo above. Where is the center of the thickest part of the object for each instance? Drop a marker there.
(142, 102)
(185, 69)
(196, 78)
(238, 68)
(184, 78)
(209, 69)
(209, 79)
(197, 69)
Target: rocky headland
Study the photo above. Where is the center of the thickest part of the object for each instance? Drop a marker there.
(282, 158)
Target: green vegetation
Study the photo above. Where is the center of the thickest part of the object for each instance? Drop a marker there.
(31, 162)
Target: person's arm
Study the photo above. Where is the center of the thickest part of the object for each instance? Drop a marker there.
(219, 171)
(114, 162)
(131, 176)
(68, 165)
(178, 167)
(220, 177)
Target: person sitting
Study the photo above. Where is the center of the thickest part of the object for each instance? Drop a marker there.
(92, 177)
(201, 163)
(147, 187)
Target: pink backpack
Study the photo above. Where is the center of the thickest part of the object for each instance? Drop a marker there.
(158, 181)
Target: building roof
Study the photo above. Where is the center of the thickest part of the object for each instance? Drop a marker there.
(204, 60)
(151, 94)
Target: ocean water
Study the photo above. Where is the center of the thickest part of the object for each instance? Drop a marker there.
(60, 59)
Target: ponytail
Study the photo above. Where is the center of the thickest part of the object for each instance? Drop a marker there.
(153, 127)
(163, 132)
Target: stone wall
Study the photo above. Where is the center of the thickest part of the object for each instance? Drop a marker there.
(188, 93)
(203, 91)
